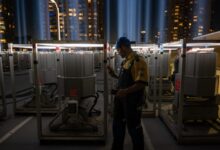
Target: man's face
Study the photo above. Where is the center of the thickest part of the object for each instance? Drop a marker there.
(122, 51)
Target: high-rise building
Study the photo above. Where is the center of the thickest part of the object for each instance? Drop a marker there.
(79, 20)
(7, 23)
(95, 19)
(53, 21)
(215, 15)
(189, 18)
(201, 17)
(181, 19)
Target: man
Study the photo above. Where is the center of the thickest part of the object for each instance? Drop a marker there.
(129, 97)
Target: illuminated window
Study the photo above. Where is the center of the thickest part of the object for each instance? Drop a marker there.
(176, 20)
(195, 20)
(3, 40)
(195, 17)
(200, 30)
(176, 14)
(80, 14)
(2, 22)
(174, 38)
(181, 24)
(71, 9)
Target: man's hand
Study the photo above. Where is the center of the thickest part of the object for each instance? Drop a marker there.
(135, 87)
(111, 71)
(121, 93)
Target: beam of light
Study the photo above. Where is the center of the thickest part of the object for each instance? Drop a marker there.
(107, 19)
(161, 20)
(122, 18)
(127, 19)
(21, 21)
(18, 22)
(132, 19)
(24, 25)
(139, 17)
(40, 28)
(73, 22)
(148, 19)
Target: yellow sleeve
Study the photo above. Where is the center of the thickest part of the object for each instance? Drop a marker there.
(139, 71)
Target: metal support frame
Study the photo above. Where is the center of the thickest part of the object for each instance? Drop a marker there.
(17, 109)
(12, 74)
(44, 133)
(3, 106)
(177, 127)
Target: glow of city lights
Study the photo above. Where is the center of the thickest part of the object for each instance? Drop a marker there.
(201, 50)
(69, 45)
(161, 21)
(26, 46)
(179, 45)
(60, 45)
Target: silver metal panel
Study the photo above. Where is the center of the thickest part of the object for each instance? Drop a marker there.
(199, 86)
(165, 65)
(98, 59)
(80, 87)
(201, 64)
(24, 60)
(205, 64)
(47, 67)
(190, 64)
(154, 64)
(77, 64)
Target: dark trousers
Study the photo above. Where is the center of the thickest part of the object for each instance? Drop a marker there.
(127, 112)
